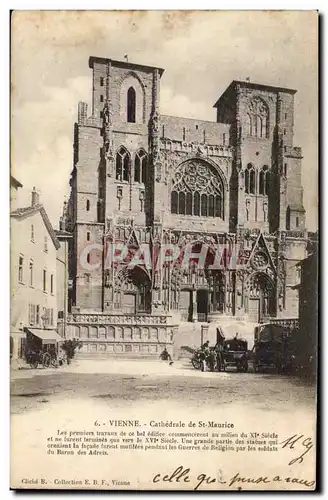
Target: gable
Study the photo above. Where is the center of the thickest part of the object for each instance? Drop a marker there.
(260, 256)
(24, 213)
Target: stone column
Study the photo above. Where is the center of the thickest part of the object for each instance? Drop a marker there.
(108, 274)
(154, 300)
(203, 334)
(156, 165)
(239, 293)
(280, 165)
(214, 296)
(238, 175)
(157, 270)
(108, 148)
(280, 281)
(194, 306)
(228, 293)
(211, 300)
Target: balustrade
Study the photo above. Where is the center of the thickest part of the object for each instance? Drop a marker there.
(117, 319)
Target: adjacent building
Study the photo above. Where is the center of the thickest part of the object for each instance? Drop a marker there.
(308, 289)
(15, 185)
(34, 247)
(62, 276)
(143, 178)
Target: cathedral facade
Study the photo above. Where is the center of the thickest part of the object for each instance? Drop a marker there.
(142, 180)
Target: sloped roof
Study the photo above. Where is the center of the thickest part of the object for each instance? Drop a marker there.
(15, 183)
(60, 233)
(23, 212)
(296, 208)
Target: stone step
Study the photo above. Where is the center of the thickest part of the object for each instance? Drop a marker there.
(111, 355)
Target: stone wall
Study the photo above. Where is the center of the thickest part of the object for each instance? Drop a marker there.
(121, 334)
(193, 130)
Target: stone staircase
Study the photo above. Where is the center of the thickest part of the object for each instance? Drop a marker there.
(120, 356)
(186, 340)
(188, 337)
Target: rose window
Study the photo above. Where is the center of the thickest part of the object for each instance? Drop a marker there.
(260, 260)
(197, 190)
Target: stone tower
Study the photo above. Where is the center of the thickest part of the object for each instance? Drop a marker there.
(266, 183)
(114, 150)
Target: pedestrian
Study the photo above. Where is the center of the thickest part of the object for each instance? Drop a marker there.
(205, 351)
(205, 345)
(219, 356)
(166, 356)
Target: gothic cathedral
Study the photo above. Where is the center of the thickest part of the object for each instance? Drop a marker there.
(142, 179)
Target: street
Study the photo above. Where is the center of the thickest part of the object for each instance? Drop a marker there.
(94, 394)
(123, 382)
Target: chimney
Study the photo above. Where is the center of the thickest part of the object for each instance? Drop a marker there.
(82, 113)
(35, 197)
(63, 217)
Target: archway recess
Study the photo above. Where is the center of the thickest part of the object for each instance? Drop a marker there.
(261, 297)
(198, 190)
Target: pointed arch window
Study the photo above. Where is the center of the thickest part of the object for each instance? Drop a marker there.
(211, 205)
(264, 123)
(140, 166)
(196, 204)
(261, 182)
(259, 122)
(247, 180)
(174, 202)
(204, 205)
(249, 124)
(189, 204)
(182, 203)
(253, 126)
(267, 182)
(257, 118)
(131, 105)
(137, 169)
(264, 180)
(219, 206)
(122, 164)
(197, 190)
(250, 183)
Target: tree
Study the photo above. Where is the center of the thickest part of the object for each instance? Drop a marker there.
(69, 347)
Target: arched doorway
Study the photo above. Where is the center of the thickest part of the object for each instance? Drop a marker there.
(261, 298)
(136, 292)
(201, 290)
(217, 281)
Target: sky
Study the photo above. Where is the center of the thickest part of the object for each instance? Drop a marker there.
(201, 52)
